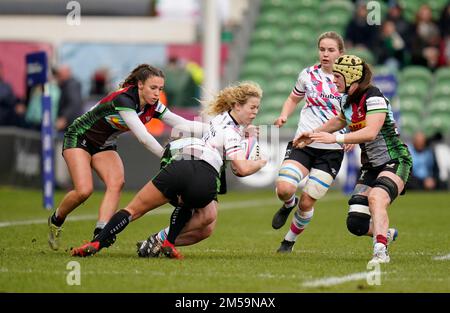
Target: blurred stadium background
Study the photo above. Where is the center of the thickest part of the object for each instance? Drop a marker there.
(203, 46)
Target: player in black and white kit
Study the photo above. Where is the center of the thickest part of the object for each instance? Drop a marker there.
(191, 178)
(320, 161)
(90, 143)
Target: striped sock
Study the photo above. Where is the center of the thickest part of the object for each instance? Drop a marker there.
(162, 234)
(299, 222)
(290, 203)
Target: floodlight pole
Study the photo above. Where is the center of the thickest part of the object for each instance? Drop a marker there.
(211, 48)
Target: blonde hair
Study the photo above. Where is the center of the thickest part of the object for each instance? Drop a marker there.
(228, 97)
(336, 37)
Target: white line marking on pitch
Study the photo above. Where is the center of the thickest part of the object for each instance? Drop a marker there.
(442, 257)
(165, 210)
(331, 281)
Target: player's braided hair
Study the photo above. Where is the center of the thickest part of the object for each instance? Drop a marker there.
(141, 73)
(228, 97)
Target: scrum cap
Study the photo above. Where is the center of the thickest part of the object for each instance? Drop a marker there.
(351, 67)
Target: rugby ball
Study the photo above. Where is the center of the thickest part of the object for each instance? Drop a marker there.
(250, 146)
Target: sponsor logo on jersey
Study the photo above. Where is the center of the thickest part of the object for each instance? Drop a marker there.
(357, 126)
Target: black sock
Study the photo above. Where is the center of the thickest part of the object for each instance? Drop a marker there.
(180, 216)
(57, 221)
(116, 224)
(97, 231)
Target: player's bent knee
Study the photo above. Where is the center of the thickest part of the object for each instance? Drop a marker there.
(84, 193)
(358, 218)
(388, 185)
(318, 183)
(285, 190)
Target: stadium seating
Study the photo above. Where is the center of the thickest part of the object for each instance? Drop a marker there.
(441, 90)
(439, 106)
(261, 50)
(286, 33)
(256, 67)
(411, 105)
(436, 123)
(363, 53)
(409, 123)
(415, 72)
(417, 89)
(443, 74)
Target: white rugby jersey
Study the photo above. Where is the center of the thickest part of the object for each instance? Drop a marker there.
(221, 142)
(322, 101)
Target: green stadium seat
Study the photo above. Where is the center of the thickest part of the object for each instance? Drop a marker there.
(272, 104)
(265, 118)
(437, 123)
(417, 89)
(411, 105)
(441, 89)
(363, 53)
(261, 50)
(442, 74)
(304, 4)
(409, 123)
(439, 106)
(415, 72)
(287, 69)
(292, 121)
(266, 34)
(299, 35)
(338, 19)
(255, 68)
(292, 51)
(303, 18)
(436, 7)
(337, 6)
(281, 87)
(270, 4)
(272, 17)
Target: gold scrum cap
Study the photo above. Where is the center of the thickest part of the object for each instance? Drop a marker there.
(350, 66)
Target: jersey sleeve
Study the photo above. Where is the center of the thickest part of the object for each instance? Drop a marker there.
(300, 86)
(160, 110)
(376, 102)
(231, 142)
(124, 102)
(376, 105)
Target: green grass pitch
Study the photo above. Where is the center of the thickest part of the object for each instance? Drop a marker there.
(240, 255)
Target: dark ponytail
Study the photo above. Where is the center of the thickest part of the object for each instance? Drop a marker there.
(141, 73)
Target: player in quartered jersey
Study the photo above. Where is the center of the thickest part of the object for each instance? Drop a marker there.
(190, 180)
(386, 161)
(320, 161)
(90, 143)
